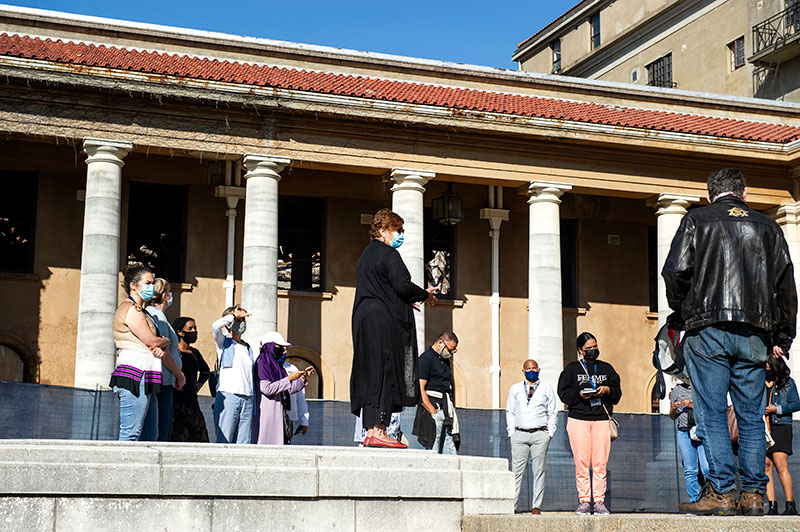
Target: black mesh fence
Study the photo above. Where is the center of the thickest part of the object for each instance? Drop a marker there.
(645, 473)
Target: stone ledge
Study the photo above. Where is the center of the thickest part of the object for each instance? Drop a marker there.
(87, 482)
(567, 522)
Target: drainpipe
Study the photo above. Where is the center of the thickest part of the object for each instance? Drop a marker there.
(496, 215)
(232, 195)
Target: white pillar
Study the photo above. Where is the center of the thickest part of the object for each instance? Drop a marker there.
(232, 196)
(788, 217)
(95, 355)
(495, 216)
(407, 192)
(260, 253)
(545, 329)
(671, 209)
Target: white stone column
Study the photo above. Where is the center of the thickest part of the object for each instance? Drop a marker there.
(788, 217)
(232, 196)
(95, 355)
(407, 192)
(496, 215)
(545, 322)
(671, 209)
(260, 253)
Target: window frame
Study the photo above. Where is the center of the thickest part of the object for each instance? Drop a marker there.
(736, 54)
(294, 202)
(30, 209)
(555, 49)
(429, 226)
(594, 31)
(665, 67)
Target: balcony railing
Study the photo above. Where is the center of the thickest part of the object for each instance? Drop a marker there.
(777, 29)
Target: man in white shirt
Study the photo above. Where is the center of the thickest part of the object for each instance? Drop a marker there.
(531, 423)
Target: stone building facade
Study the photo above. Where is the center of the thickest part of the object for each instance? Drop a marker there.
(244, 169)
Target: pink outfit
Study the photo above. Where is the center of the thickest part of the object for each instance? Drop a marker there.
(270, 419)
(591, 443)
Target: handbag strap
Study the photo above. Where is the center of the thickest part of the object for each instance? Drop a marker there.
(583, 364)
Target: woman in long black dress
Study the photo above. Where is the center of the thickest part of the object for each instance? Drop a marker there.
(188, 422)
(385, 375)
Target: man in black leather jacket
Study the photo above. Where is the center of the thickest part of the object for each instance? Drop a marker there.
(729, 276)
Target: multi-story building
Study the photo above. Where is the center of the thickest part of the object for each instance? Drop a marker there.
(247, 170)
(734, 47)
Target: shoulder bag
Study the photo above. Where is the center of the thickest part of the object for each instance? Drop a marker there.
(613, 424)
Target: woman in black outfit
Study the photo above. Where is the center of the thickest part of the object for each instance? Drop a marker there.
(385, 374)
(188, 423)
(782, 401)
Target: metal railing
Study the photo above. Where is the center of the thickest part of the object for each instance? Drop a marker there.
(776, 30)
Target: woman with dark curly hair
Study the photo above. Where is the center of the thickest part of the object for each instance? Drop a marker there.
(782, 400)
(385, 375)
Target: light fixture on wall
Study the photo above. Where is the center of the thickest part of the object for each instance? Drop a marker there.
(447, 208)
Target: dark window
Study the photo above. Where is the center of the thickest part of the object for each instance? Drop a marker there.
(652, 266)
(569, 263)
(737, 53)
(556, 48)
(439, 256)
(17, 221)
(594, 23)
(793, 13)
(659, 72)
(301, 223)
(655, 403)
(157, 234)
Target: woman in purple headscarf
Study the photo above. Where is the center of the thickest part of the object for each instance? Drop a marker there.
(272, 388)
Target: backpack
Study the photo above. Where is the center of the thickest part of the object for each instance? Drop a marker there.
(668, 353)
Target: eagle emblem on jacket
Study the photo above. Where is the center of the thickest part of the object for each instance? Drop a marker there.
(737, 212)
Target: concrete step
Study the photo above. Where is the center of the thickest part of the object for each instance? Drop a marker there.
(567, 522)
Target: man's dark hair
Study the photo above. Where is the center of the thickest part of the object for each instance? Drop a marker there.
(726, 180)
(448, 337)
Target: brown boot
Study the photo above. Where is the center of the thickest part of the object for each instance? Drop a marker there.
(751, 504)
(711, 503)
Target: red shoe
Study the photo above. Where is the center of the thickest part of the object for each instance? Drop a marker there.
(390, 443)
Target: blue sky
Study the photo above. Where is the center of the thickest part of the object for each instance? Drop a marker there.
(481, 33)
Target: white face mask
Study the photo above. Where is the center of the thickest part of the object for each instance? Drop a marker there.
(445, 353)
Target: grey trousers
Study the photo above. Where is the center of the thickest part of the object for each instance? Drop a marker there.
(523, 445)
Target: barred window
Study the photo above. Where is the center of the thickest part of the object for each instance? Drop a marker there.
(301, 223)
(659, 72)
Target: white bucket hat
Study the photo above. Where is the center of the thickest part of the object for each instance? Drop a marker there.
(276, 338)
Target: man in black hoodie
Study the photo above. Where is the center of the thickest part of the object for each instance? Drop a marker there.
(729, 276)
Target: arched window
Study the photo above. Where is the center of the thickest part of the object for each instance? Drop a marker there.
(314, 386)
(12, 365)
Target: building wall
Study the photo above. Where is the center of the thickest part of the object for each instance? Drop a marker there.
(613, 279)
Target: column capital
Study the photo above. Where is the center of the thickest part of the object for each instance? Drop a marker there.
(232, 196)
(106, 150)
(671, 203)
(410, 179)
(786, 214)
(260, 165)
(495, 216)
(546, 191)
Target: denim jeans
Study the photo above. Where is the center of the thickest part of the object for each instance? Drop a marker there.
(138, 416)
(729, 357)
(443, 444)
(166, 400)
(691, 452)
(233, 414)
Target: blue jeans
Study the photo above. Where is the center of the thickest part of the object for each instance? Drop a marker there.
(165, 404)
(233, 414)
(138, 416)
(729, 357)
(691, 452)
(443, 444)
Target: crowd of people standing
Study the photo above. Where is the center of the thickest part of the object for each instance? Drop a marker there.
(729, 280)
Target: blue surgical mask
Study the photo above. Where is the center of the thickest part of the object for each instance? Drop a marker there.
(532, 375)
(397, 239)
(147, 292)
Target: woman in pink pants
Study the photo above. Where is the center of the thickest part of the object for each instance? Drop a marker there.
(586, 386)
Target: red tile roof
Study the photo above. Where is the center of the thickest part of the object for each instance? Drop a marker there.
(389, 90)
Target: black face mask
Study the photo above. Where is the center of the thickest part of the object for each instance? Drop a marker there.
(189, 337)
(279, 353)
(590, 355)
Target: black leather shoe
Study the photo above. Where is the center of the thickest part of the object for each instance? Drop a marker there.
(773, 508)
(791, 509)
